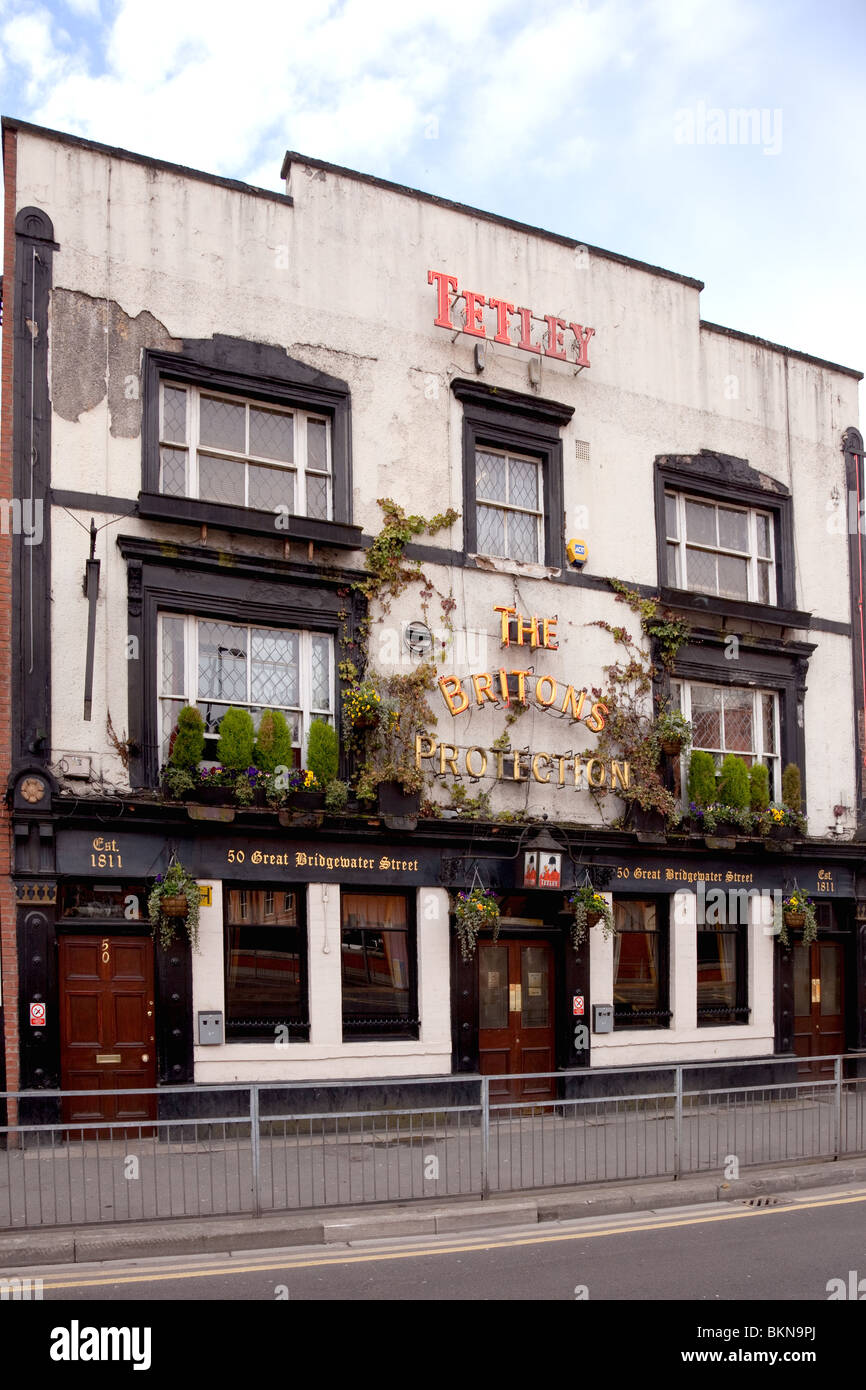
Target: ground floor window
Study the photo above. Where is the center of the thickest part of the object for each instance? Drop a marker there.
(640, 973)
(266, 966)
(377, 950)
(721, 975)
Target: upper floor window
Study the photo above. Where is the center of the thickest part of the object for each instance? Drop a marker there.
(241, 452)
(215, 665)
(733, 719)
(510, 508)
(717, 548)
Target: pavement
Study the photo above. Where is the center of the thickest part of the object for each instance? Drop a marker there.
(342, 1225)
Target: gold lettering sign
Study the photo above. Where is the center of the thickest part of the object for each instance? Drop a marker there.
(331, 863)
(522, 766)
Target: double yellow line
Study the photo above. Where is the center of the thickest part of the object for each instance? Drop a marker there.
(419, 1251)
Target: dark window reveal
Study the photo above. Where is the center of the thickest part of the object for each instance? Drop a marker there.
(378, 967)
(266, 966)
(721, 975)
(640, 989)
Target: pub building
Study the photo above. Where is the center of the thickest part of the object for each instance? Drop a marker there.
(211, 386)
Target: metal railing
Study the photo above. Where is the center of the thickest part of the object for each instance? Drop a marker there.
(257, 1152)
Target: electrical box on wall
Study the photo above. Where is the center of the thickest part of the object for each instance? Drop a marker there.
(210, 1029)
(602, 1018)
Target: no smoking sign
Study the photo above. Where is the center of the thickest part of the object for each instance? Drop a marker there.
(37, 1015)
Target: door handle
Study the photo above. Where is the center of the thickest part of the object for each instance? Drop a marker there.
(145, 1057)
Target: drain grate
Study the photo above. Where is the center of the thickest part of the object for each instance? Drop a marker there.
(760, 1201)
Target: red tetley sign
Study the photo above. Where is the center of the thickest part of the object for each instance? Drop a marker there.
(555, 343)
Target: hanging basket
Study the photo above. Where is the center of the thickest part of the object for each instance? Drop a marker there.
(175, 907)
(794, 919)
(593, 919)
(672, 746)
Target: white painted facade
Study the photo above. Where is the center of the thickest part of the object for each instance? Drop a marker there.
(339, 281)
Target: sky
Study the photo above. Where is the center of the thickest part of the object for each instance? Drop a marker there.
(611, 121)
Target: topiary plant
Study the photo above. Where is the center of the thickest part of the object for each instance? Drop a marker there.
(759, 786)
(734, 783)
(702, 778)
(187, 750)
(237, 735)
(273, 745)
(791, 792)
(323, 752)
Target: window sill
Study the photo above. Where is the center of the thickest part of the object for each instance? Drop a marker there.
(737, 608)
(192, 511)
(497, 564)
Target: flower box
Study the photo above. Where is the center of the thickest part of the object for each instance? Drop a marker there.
(308, 801)
(394, 801)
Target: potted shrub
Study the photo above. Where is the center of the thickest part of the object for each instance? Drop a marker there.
(791, 788)
(673, 731)
(336, 797)
(587, 909)
(180, 775)
(797, 913)
(702, 777)
(733, 795)
(323, 752)
(759, 788)
(236, 740)
(175, 899)
(273, 744)
(475, 911)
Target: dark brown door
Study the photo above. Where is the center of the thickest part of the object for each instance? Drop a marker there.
(107, 1027)
(516, 1023)
(819, 1018)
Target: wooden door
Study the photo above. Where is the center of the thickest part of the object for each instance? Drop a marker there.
(819, 1009)
(107, 1026)
(516, 1016)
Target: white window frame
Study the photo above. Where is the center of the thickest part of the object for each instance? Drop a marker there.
(682, 545)
(305, 711)
(507, 507)
(682, 694)
(298, 469)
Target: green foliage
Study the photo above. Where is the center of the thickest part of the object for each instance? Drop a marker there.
(702, 778)
(178, 782)
(471, 807)
(174, 883)
(734, 783)
(237, 735)
(667, 631)
(673, 727)
(791, 792)
(188, 747)
(273, 745)
(583, 902)
(385, 563)
(336, 796)
(759, 787)
(323, 752)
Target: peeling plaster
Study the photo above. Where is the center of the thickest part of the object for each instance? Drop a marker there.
(82, 360)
